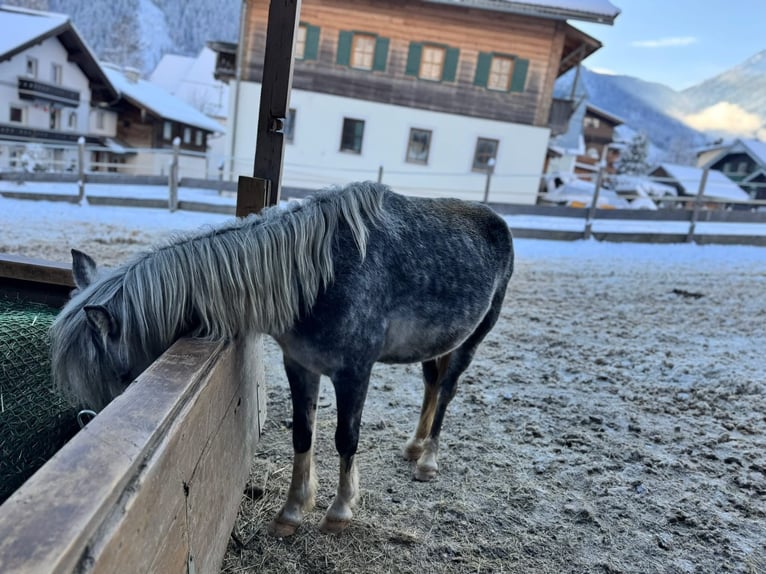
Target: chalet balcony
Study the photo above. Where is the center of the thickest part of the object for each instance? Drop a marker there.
(40, 91)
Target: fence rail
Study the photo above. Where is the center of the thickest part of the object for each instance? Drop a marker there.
(589, 201)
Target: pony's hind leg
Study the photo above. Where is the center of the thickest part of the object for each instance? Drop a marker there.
(304, 389)
(433, 372)
(350, 393)
(458, 361)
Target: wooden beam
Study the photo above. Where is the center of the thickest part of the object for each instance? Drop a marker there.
(275, 97)
(154, 482)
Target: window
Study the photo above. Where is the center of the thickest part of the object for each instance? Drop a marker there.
(71, 122)
(16, 115)
(591, 122)
(300, 42)
(56, 74)
(502, 72)
(187, 135)
(307, 42)
(100, 117)
(351, 138)
(31, 67)
(485, 155)
(433, 62)
(167, 131)
(419, 145)
(289, 128)
(198, 138)
(55, 119)
(362, 51)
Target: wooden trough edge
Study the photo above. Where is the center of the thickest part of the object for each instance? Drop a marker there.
(154, 482)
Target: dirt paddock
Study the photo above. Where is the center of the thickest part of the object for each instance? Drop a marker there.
(613, 422)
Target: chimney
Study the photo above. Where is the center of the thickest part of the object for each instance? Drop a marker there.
(132, 74)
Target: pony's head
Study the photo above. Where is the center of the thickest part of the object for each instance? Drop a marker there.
(90, 359)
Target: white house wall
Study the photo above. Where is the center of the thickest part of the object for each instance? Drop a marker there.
(313, 159)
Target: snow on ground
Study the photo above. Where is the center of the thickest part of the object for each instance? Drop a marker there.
(613, 420)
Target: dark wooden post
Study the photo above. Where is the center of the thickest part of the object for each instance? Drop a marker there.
(254, 193)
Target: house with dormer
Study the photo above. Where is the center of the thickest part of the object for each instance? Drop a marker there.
(432, 96)
(52, 91)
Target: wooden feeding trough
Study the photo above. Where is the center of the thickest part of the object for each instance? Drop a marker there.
(153, 483)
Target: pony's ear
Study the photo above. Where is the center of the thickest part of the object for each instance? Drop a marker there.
(83, 269)
(101, 321)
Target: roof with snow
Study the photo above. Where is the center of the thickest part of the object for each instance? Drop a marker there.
(688, 178)
(756, 149)
(192, 79)
(23, 28)
(144, 94)
(599, 11)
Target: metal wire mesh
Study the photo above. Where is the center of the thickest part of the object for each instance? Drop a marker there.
(34, 421)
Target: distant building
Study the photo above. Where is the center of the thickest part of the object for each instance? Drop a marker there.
(192, 80)
(436, 92)
(687, 180)
(52, 92)
(150, 119)
(587, 140)
(744, 162)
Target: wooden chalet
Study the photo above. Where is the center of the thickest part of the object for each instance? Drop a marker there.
(473, 59)
(744, 162)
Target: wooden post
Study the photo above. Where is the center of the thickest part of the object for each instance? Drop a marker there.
(173, 176)
(275, 97)
(80, 169)
(697, 204)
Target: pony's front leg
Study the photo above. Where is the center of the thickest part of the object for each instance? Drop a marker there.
(304, 389)
(350, 392)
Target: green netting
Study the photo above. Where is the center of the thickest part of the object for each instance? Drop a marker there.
(34, 421)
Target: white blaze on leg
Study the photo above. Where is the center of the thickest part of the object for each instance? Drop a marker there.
(300, 497)
(339, 514)
(427, 467)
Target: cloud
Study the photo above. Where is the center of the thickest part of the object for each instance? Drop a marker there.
(665, 42)
(604, 71)
(726, 118)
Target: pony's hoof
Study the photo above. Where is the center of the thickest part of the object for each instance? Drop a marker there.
(333, 526)
(425, 473)
(282, 529)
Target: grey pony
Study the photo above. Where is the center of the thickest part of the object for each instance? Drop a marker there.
(347, 278)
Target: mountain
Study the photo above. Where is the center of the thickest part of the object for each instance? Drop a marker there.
(644, 107)
(731, 104)
(137, 33)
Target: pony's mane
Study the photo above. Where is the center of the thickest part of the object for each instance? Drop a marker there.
(255, 273)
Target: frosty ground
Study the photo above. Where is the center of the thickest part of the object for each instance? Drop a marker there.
(612, 422)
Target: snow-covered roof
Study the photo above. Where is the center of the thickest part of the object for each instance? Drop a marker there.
(718, 186)
(757, 150)
(600, 11)
(22, 27)
(193, 81)
(161, 103)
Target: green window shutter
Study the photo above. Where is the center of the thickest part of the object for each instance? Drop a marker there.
(344, 48)
(519, 78)
(312, 43)
(381, 54)
(450, 64)
(413, 59)
(482, 69)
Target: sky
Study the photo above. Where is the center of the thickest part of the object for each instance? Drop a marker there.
(678, 43)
